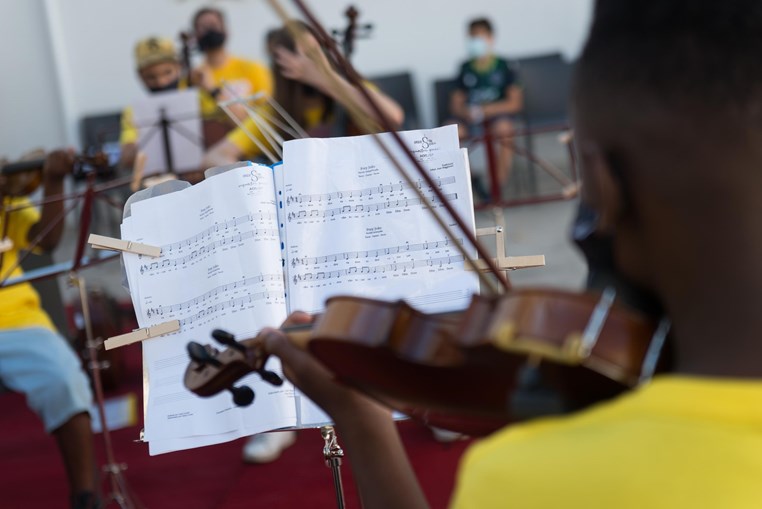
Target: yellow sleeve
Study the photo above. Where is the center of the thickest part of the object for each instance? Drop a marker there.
(21, 221)
(260, 77)
(238, 137)
(129, 133)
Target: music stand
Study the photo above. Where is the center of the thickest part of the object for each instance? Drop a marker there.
(170, 131)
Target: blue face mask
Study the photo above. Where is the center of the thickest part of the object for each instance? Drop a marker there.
(477, 47)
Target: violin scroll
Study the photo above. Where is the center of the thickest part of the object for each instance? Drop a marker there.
(212, 371)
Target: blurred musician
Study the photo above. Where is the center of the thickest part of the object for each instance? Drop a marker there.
(34, 358)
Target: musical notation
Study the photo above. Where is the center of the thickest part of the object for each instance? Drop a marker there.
(207, 248)
(378, 269)
(368, 191)
(199, 300)
(362, 208)
(240, 302)
(372, 253)
(225, 225)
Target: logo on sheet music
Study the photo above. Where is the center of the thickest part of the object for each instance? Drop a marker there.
(425, 142)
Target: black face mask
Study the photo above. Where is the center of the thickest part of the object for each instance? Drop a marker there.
(211, 40)
(602, 271)
(169, 86)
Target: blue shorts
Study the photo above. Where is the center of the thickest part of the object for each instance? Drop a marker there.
(40, 364)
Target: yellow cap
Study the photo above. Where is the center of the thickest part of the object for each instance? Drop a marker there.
(154, 50)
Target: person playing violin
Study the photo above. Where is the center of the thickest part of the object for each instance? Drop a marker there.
(34, 358)
(666, 114)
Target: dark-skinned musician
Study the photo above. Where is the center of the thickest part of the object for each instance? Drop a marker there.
(35, 359)
(668, 121)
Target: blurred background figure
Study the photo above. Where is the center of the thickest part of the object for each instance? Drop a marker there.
(35, 359)
(307, 95)
(159, 69)
(487, 94)
(222, 75)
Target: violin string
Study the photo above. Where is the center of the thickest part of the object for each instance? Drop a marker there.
(363, 119)
(369, 125)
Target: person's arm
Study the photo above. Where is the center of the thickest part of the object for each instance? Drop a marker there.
(458, 105)
(297, 66)
(127, 154)
(513, 103)
(58, 164)
(366, 430)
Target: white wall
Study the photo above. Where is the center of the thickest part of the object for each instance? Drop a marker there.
(30, 110)
(95, 40)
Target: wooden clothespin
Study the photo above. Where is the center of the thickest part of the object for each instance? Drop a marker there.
(127, 246)
(142, 334)
(502, 261)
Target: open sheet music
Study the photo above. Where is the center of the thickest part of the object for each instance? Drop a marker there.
(244, 248)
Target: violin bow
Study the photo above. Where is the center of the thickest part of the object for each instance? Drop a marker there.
(372, 127)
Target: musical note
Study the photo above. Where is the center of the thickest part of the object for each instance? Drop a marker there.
(201, 299)
(368, 191)
(439, 262)
(371, 207)
(423, 246)
(208, 248)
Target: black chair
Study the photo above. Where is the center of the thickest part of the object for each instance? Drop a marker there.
(400, 88)
(442, 91)
(546, 81)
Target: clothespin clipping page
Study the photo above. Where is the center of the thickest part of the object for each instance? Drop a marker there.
(142, 334)
(127, 246)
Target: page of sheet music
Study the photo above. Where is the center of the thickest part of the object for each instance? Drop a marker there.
(375, 238)
(220, 268)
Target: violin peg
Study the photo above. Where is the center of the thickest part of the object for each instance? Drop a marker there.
(270, 377)
(242, 396)
(198, 353)
(225, 338)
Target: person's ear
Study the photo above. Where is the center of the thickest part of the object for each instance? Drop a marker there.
(602, 187)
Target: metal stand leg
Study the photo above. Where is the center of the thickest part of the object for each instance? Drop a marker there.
(332, 453)
(120, 491)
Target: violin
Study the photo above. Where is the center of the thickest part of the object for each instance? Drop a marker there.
(25, 177)
(504, 359)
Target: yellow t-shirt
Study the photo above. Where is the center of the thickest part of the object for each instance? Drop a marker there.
(679, 442)
(20, 303)
(242, 77)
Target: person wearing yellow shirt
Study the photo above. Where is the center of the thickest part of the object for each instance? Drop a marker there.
(159, 69)
(666, 116)
(305, 93)
(224, 75)
(35, 359)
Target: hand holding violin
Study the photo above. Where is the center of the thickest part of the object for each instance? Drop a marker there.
(382, 472)
(311, 377)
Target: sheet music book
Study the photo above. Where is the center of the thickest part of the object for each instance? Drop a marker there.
(244, 248)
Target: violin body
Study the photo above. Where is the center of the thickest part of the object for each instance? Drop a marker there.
(504, 359)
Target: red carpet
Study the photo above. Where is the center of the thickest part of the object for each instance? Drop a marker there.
(32, 477)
